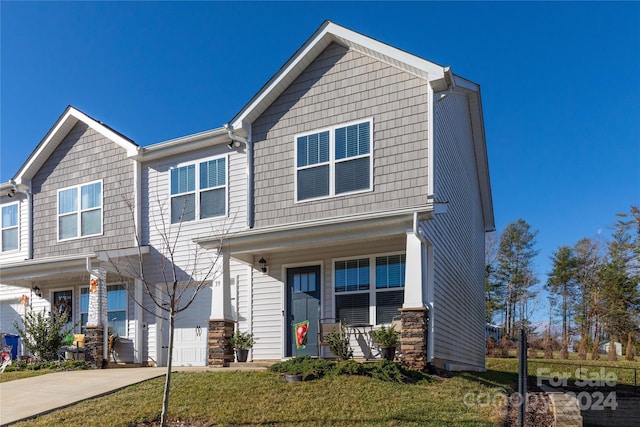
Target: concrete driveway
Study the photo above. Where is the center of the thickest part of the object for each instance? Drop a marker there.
(33, 396)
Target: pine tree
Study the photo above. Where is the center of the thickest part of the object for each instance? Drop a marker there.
(561, 282)
(515, 267)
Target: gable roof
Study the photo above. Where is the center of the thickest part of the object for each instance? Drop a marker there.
(439, 77)
(69, 118)
(328, 33)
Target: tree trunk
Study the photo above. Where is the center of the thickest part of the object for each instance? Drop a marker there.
(612, 356)
(564, 351)
(629, 355)
(582, 351)
(595, 352)
(167, 382)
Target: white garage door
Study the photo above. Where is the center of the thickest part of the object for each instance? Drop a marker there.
(190, 335)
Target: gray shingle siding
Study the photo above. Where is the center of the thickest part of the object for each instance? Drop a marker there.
(341, 86)
(83, 156)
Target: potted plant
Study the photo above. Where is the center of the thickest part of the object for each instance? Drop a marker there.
(387, 339)
(242, 342)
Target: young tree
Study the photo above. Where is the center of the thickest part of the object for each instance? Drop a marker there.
(173, 277)
(561, 282)
(516, 252)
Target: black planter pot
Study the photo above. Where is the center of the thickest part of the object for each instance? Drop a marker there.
(388, 353)
(242, 354)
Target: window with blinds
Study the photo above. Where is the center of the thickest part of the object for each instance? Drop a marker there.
(369, 290)
(199, 190)
(334, 161)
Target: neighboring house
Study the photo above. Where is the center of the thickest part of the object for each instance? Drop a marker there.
(358, 175)
(605, 345)
(493, 331)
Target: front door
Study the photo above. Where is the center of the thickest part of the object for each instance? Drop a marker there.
(303, 303)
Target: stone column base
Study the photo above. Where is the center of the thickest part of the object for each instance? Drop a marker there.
(94, 346)
(413, 340)
(220, 349)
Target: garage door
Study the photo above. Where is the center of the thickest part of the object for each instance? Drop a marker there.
(190, 335)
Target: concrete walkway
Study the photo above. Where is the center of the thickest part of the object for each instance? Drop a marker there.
(28, 397)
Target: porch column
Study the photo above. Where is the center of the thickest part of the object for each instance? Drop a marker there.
(415, 277)
(221, 324)
(413, 340)
(414, 314)
(96, 340)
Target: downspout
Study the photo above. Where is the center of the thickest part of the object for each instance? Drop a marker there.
(26, 192)
(439, 207)
(249, 145)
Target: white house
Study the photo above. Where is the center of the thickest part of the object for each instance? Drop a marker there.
(358, 175)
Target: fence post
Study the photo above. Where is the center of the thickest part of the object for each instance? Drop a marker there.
(522, 378)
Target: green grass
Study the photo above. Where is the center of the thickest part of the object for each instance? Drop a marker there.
(264, 399)
(18, 375)
(622, 370)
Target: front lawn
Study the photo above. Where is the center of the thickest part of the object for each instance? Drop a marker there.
(265, 399)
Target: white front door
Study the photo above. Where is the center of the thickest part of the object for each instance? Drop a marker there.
(190, 335)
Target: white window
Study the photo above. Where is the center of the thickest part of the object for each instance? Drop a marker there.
(334, 161)
(116, 309)
(369, 290)
(199, 190)
(80, 211)
(10, 231)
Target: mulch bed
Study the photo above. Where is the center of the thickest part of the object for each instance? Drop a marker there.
(538, 411)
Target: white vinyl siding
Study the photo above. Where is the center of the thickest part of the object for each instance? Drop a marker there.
(10, 228)
(334, 161)
(199, 190)
(369, 290)
(80, 211)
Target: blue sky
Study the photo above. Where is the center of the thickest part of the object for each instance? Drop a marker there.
(560, 84)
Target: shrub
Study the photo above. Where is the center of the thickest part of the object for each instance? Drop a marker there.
(242, 340)
(386, 336)
(339, 343)
(304, 365)
(43, 335)
(384, 370)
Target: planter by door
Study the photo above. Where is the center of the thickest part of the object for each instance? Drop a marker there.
(388, 353)
(242, 354)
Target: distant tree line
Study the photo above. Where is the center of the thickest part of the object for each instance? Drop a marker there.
(592, 284)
